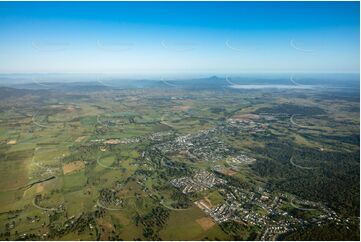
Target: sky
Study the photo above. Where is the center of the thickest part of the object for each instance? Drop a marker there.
(179, 37)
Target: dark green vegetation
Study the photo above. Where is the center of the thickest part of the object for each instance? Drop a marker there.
(96, 163)
(326, 232)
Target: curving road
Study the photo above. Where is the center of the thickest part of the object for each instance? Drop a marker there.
(300, 208)
(43, 208)
(302, 167)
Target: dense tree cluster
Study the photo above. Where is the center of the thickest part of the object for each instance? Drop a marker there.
(328, 232)
(235, 229)
(291, 109)
(152, 222)
(82, 152)
(332, 173)
(79, 224)
(181, 200)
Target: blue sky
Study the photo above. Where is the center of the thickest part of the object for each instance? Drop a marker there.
(179, 37)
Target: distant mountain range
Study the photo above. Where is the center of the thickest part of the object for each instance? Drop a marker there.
(212, 82)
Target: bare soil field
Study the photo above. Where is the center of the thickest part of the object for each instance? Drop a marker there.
(73, 166)
(205, 223)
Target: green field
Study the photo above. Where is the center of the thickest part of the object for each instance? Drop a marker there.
(93, 167)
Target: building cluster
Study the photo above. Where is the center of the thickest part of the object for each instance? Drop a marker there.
(261, 209)
(158, 136)
(251, 126)
(199, 182)
(200, 146)
(234, 164)
(221, 213)
(206, 145)
(236, 161)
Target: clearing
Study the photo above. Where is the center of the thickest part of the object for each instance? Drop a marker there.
(73, 166)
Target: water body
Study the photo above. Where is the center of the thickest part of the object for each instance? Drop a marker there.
(272, 86)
